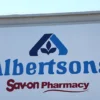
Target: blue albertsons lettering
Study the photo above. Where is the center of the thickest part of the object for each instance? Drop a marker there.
(62, 67)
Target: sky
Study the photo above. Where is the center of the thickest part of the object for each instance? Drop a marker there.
(9, 7)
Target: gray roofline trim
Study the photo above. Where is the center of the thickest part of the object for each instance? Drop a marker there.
(55, 18)
(50, 14)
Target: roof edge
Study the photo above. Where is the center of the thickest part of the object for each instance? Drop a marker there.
(50, 14)
(50, 19)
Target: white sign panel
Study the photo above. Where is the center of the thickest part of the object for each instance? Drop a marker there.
(55, 62)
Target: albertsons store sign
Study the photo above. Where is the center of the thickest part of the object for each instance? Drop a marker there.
(48, 63)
